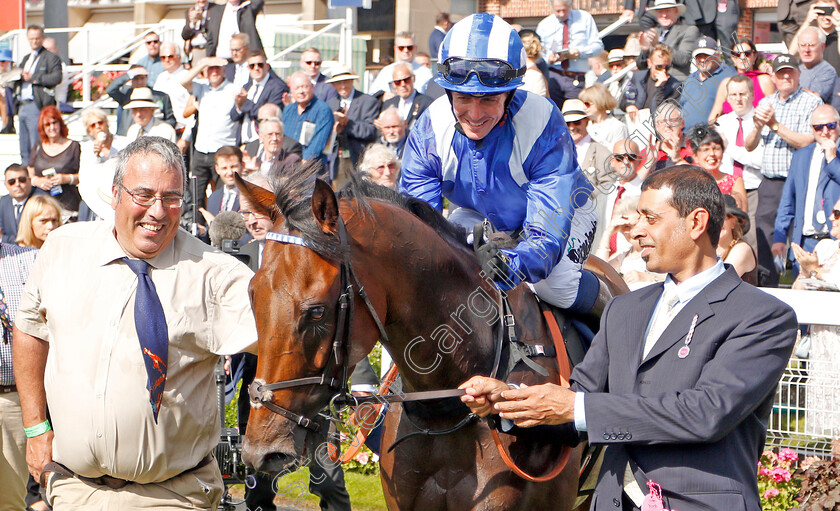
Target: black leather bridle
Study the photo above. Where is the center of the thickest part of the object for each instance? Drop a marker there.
(261, 393)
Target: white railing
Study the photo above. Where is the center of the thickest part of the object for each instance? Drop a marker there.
(345, 52)
(803, 412)
(90, 64)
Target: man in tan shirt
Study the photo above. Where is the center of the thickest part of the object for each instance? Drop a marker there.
(77, 348)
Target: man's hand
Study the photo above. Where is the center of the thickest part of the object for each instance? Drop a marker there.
(182, 145)
(26, 76)
(39, 453)
(763, 116)
(240, 98)
(829, 146)
(545, 404)
(778, 249)
(482, 392)
(208, 217)
(574, 54)
(660, 76)
(812, 15)
(632, 112)
(647, 38)
(627, 13)
(808, 261)
(340, 121)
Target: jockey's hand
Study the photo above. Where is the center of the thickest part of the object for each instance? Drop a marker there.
(496, 264)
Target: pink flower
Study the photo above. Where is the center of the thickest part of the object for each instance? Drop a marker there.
(770, 493)
(788, 455)
(763, 471)
(362, 457)
(780, 474)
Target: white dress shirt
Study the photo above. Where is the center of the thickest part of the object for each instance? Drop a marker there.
(751, 160)
(817, 161)
(227, 28)
(216, 128)
(583, 36)
(170, 84)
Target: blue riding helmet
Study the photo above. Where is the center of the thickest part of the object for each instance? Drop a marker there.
(481, 54)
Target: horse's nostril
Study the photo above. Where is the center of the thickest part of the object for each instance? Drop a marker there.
(276, 462)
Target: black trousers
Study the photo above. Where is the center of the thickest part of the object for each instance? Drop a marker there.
(769, 195)
(203, 167)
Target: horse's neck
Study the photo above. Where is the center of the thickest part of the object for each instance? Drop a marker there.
(448, 331)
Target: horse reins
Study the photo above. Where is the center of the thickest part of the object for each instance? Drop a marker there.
(262, 393)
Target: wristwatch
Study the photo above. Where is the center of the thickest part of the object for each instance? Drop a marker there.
(775, 126)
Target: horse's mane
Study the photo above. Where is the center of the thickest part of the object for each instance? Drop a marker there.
(293, 186)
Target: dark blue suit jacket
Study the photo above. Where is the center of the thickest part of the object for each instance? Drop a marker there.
(273, 93)
(420, 104)
(214, 202)
(360, 130)
(7, 216)
(639, 83)
(792, 204)
(695, 425)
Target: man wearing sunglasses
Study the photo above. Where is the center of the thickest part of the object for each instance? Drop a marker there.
(151, 61)
(811, 189)
(310, 64)
(20, 190)
(408, 101)
(263, 87)
(404, 49)
(652, 86)
(505, 155)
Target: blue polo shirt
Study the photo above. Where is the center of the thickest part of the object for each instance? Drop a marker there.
(316, 112)
(698, 96)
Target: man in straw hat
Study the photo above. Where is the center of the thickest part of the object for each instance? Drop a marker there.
(143, 107)
(354, 114)
(672, 31)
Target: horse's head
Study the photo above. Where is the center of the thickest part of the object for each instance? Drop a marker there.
(303, 332)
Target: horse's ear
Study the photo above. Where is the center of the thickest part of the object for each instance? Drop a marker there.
(261, 199)
(325, 207)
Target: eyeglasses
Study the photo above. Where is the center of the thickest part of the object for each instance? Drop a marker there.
(94, 124)
(166, 57)
(12, 180)
(153, 41)
(820, 127)
(835, 214)
(255, 65)
(627, 157)
(660, 67)
(746, 53)
(490, 72)
(246, 214)
(237, 49)
(146, 200)
(312, 62)
(400, 81)
(406, 48)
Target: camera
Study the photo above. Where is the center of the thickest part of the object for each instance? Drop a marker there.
(230, 246)
(825, 10)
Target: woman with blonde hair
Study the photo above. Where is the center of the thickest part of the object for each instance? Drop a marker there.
(40, 216)
(603, 127)
(533, 78)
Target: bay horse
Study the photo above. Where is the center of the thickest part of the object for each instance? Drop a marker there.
(421, 292)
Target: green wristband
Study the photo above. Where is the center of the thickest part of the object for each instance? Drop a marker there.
(37, 430)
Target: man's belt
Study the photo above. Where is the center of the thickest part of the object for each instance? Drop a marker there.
(818, 236)
(5, 389)
(114, 483)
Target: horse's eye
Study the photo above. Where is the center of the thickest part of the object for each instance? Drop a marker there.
(316, 313)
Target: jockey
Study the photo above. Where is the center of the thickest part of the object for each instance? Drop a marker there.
(505, 155)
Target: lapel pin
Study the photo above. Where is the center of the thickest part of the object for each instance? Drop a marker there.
(685, 350)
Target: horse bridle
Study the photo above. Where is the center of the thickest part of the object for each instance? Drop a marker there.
(261, 393)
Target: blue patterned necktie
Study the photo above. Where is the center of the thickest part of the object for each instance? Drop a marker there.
(152, 332)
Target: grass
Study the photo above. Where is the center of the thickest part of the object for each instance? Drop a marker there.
(365, 492)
